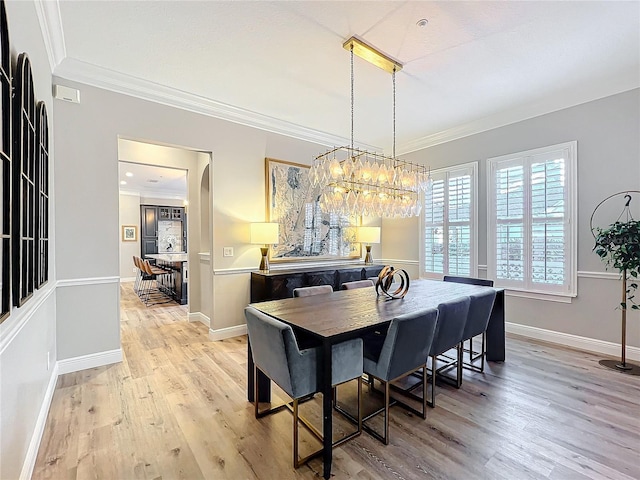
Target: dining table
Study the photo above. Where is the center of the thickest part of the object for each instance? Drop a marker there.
(346, 314)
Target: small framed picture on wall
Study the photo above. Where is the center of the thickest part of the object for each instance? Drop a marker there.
(129, 233)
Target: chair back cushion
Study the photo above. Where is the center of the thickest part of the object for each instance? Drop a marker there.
(483, 282)
(406, 345)
(276, 353)
(357, 284)
(346, 361)
(479, 313)
(452, 317)
(309, 291)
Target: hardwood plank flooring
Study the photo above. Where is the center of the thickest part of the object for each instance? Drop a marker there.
(176, 408)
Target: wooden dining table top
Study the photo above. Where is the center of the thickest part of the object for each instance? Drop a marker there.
(348, 311)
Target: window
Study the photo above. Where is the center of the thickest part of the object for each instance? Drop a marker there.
(24, 209)
(531, 232)
(42, 192)
(5, 166)
(450, 218)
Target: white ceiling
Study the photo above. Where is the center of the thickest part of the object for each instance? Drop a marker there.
(151, 181)
(475, 66)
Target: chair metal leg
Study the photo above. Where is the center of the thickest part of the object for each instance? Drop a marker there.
(459, 366)
(386, 413)
(424, 391)
(360, 405)
(470, 365)
(433, 382)
(295, 434)
(294, 408)
(483, 353)
(255, 389)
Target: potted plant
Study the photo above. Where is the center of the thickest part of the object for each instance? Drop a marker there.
(619, 246)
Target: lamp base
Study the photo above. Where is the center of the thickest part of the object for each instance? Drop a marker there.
(264, 263)
(368, 259)
(628, 368)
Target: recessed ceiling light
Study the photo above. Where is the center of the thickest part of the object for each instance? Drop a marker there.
(129, 174)
(422, 22)
(122, 182)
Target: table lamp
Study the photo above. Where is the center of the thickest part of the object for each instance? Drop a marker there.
(264, 234)
(368, 235)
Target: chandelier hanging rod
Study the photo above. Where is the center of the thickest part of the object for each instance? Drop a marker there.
(359, 182)
(372, 55)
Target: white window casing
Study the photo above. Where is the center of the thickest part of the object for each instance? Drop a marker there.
(532, 212)
(448, 239)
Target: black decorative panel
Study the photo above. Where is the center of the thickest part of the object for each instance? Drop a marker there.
(24, 208)
(279, 288)
(5, 168)
(350, 275)
(372, 271)
(321, 278)
(42, 194)
(293, 282)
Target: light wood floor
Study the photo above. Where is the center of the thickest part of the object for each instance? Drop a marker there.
(176, 408)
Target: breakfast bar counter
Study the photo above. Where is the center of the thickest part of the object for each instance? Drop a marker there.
(177, 263)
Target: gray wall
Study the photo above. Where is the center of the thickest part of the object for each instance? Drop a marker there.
(129, 209)
(27, 337)
(607, 131)
(87, 210)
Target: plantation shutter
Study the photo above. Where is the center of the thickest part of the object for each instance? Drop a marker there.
(509, 246)
(434, 225)
(449, 222)
(459, 225)
(530, 232)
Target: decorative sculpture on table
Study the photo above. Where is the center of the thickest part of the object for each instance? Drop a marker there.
(385, 282)
(619, 246)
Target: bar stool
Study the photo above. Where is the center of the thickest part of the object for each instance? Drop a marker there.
(152, 274)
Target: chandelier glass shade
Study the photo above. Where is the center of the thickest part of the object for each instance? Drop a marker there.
(358, 182)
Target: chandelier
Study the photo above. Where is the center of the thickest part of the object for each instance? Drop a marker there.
(359, 182)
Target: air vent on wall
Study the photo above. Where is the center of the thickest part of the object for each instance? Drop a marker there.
(152, 181)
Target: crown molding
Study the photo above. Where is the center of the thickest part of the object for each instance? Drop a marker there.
(89, 74)
(532, 110)
(48, 12)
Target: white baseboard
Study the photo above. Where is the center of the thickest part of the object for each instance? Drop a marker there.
(92, 360)
(32, 452)
(575, 341)
(127, 279)
(228, 332)
(199, 317)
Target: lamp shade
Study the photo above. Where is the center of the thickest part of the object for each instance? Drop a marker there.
(368, 234)
(264, 233)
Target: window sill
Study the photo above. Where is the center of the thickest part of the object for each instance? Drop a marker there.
(548, 297)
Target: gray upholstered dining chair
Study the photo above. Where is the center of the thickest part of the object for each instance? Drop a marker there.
(476, 322)
(276, 354)
(309, 291)
(357, 284)
(404, 350)
(306, 340)
(452, 318)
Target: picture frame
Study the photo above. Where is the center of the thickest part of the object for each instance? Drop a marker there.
(306, 233)
(129, 233)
